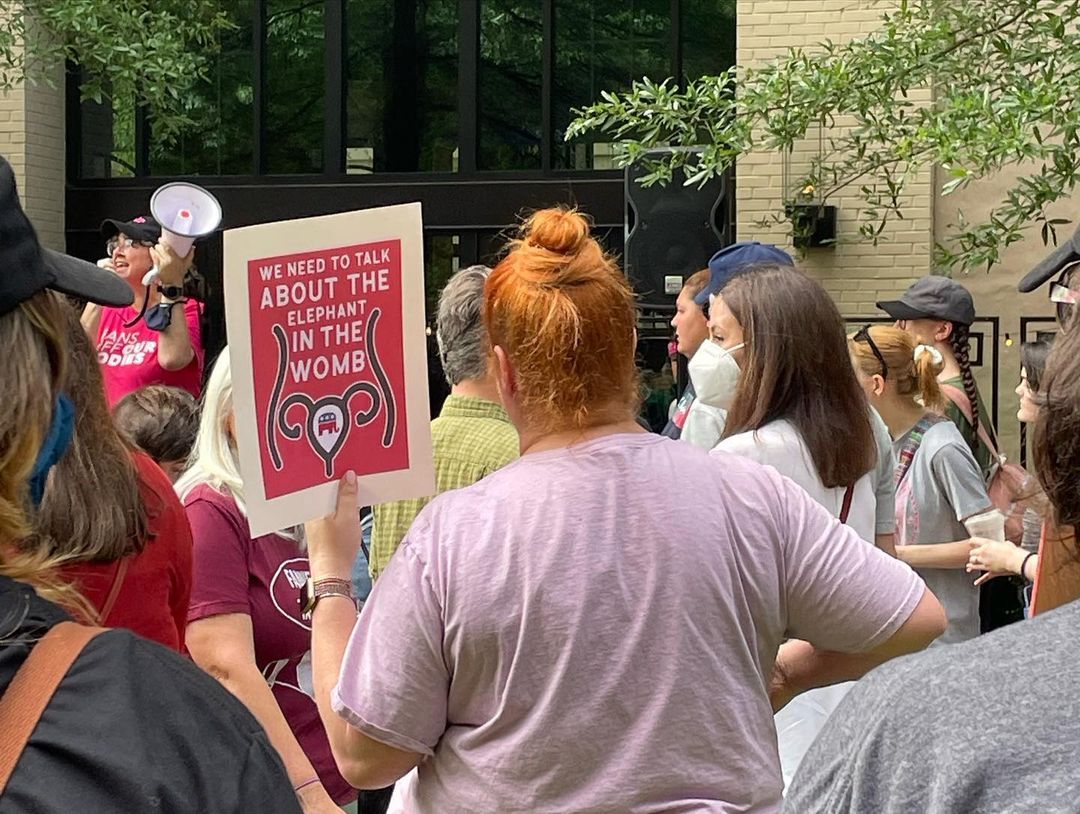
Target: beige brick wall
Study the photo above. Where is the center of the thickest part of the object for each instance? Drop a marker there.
(32, 139)
(857, 273)
(995, 291)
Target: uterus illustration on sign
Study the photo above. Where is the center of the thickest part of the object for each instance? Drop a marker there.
(325, 422)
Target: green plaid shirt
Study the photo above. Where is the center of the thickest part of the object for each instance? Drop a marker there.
(471, 438)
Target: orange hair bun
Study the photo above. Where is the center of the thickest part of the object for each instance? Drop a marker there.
(565, 316)
(563, 231)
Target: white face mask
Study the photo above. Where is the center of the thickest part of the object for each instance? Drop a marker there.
(715, 374)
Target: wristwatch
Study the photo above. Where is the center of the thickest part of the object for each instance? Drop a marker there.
(316, 589)
(171, 292)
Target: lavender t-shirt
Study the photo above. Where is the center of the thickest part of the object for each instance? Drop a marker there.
(593, 629)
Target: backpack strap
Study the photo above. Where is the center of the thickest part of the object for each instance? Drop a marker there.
(114, 589)
(913, 442)
(846, 508)
(33, 686)
(961, 400)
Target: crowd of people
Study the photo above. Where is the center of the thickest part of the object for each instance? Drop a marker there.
(587, 616)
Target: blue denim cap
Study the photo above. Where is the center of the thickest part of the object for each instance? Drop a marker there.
(732, 259)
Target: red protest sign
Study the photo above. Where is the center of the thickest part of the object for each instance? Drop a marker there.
(327, 346)
(328, 362)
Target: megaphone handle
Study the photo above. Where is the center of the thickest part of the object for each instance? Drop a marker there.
(178, 243)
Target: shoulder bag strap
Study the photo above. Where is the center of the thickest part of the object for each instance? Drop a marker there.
(33, 686)
(960, 399)
(846, 508)
(114, 589)
(911, 445)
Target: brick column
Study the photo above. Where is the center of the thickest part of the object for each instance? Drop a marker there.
(32, 139)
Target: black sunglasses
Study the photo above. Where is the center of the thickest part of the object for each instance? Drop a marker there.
(863, 335)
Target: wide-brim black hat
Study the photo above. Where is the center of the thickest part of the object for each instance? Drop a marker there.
(1051, 265)
(26, 268)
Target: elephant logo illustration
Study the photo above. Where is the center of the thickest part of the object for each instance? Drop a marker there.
(327, 421)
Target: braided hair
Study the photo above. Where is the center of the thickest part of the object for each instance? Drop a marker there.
(959, 342)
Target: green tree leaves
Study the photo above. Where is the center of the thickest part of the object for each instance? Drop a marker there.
(151, 52)
(972, 87)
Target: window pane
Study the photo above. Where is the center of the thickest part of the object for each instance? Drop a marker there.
(601, 45)
(440, 262)
(295, 80)
(511, 39)
(107, 139)
(708, 35)
(401, 110)
(220, 140)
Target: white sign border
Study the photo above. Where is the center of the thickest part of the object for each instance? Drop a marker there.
(399, 222)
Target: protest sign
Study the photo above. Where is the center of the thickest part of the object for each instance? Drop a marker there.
(329, 361)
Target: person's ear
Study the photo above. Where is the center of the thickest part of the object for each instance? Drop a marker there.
(879, 384)
(505, 375)
(943, 332)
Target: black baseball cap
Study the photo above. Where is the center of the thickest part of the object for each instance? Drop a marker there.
(26, 268)
(142, 227)
(1051, 265)
(933, 298)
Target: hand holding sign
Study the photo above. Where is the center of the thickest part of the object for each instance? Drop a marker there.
(327, 341)
(333, 541)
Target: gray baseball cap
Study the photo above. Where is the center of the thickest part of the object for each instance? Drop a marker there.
(933, 298)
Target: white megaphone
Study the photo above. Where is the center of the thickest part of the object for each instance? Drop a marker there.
(185, 212)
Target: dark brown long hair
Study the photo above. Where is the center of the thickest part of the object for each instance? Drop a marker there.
(1056, 444)
(93, 509)
(31, 375)
(797, 368)
(1033, 356)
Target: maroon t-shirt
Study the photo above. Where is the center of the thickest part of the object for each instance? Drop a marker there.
(233, 573)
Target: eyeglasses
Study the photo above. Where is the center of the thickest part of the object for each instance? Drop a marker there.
(124, 244)
(1065, 300)
(863, 335)
(1063, 295)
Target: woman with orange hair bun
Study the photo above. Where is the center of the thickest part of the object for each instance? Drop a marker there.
(598, 625)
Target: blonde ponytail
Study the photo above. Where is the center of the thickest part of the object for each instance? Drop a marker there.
(913, 368)
(928, 365)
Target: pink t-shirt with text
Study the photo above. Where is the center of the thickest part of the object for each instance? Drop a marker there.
(594, 629)
(128, 356)
(233, 573)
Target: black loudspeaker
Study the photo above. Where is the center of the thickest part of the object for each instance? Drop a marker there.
(672, 231)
